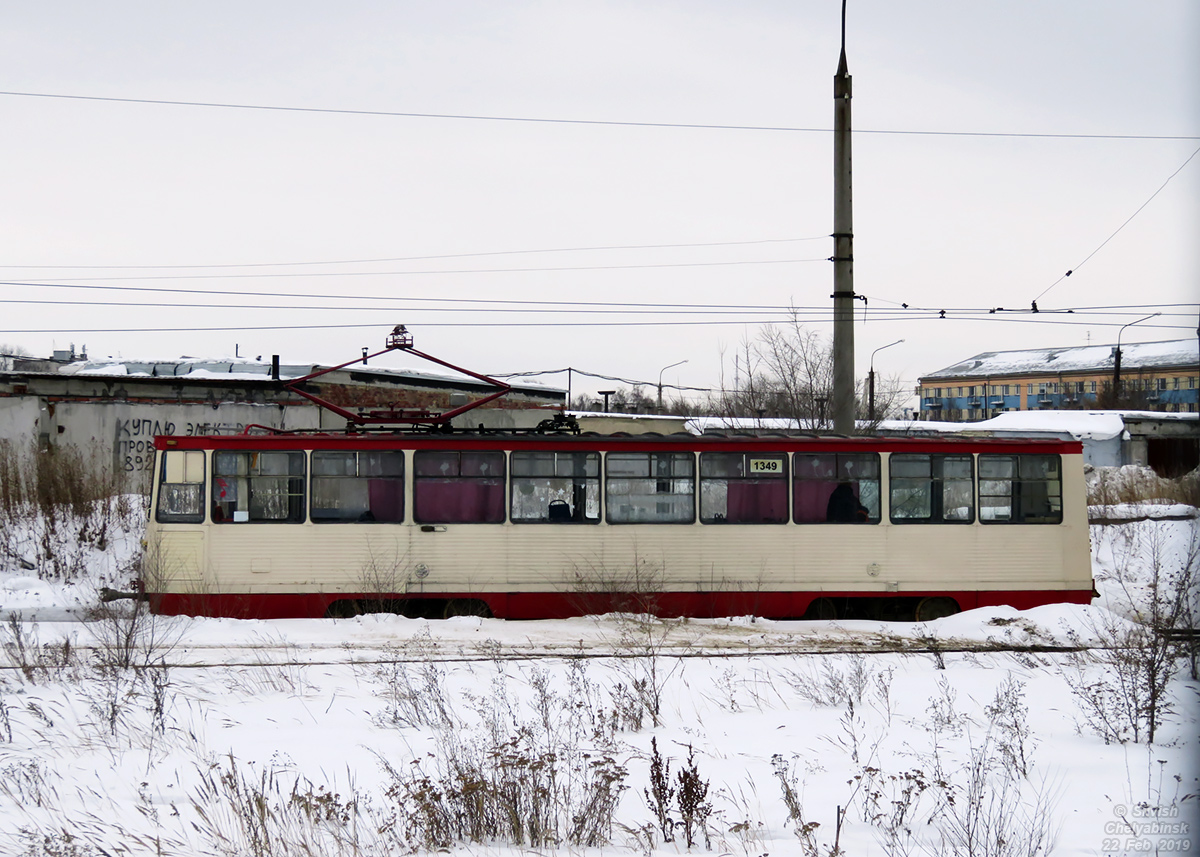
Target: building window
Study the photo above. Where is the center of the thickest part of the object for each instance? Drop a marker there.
(453, 487)
(181, 487)
(931, 488)
(258, 486)
(363, 487)
(743, 488)
(650, 487)
(1162, 383)
(1091, 386)
(555, 487)
(835, 487)
(1020, 489)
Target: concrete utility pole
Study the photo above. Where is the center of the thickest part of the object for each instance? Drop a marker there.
(843, 250)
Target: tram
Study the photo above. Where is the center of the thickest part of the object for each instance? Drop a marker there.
(557, 523)
(516, 526)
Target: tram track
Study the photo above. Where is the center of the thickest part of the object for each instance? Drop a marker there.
(293, 655)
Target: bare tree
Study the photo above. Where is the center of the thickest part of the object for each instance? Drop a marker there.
(787, 371)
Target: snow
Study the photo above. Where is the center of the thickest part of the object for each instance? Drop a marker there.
(1037, 361)
(1081, 425)
(255, 713)
(241, 369)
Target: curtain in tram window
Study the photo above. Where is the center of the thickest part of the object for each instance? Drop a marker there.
(812, 501)
(459, 502)
(756, 502)
(386, 500)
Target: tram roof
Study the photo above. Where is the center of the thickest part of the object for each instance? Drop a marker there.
(713, 442)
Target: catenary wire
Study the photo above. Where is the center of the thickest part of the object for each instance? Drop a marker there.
(1119, 228)
(571, 324)
(573, 309)
(291, 274)
(432, 257)
(603, 122)
(490, 302)
(666, 309)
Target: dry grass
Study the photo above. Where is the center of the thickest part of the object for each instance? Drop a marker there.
(1111, 486)
(57, 505)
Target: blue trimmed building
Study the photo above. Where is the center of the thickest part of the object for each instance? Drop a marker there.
(1155, 376)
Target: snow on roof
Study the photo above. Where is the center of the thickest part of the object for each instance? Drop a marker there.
(195, 369)
(241, 369)
(1041, 361)
(1081, 425)
(699, 425)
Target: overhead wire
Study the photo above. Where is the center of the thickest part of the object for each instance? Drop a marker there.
(432, 257)
(577, 324)
(602, 122)
(327, 308)
(490, 303)
(1118, 229)
(559, 270)
(631, 382)
(790, 313)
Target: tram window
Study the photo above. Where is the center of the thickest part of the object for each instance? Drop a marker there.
(357, 486)
(743, 488)
(181, 487)
(650, 487)
(1020, 489)
(555, 487)
(452, 487)
(932, 489)
(818, 495)
(258, 486)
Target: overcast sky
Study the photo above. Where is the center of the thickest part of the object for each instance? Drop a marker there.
(108, 193)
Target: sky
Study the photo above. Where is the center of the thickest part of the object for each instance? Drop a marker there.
(513, 246)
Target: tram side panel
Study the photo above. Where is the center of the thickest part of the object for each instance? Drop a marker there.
(528, 570)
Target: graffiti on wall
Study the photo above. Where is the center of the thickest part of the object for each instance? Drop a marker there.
(134, 447)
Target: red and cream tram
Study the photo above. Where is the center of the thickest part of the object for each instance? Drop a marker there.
(528, 526)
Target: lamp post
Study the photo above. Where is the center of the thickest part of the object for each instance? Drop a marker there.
(871, 381)
(660, 374)
(1116, 390)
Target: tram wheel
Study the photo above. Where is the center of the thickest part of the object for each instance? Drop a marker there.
(935, 607)
(343, 610)
(822, 608)
(466, 607)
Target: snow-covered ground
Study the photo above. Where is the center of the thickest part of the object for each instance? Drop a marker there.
(122, 734)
